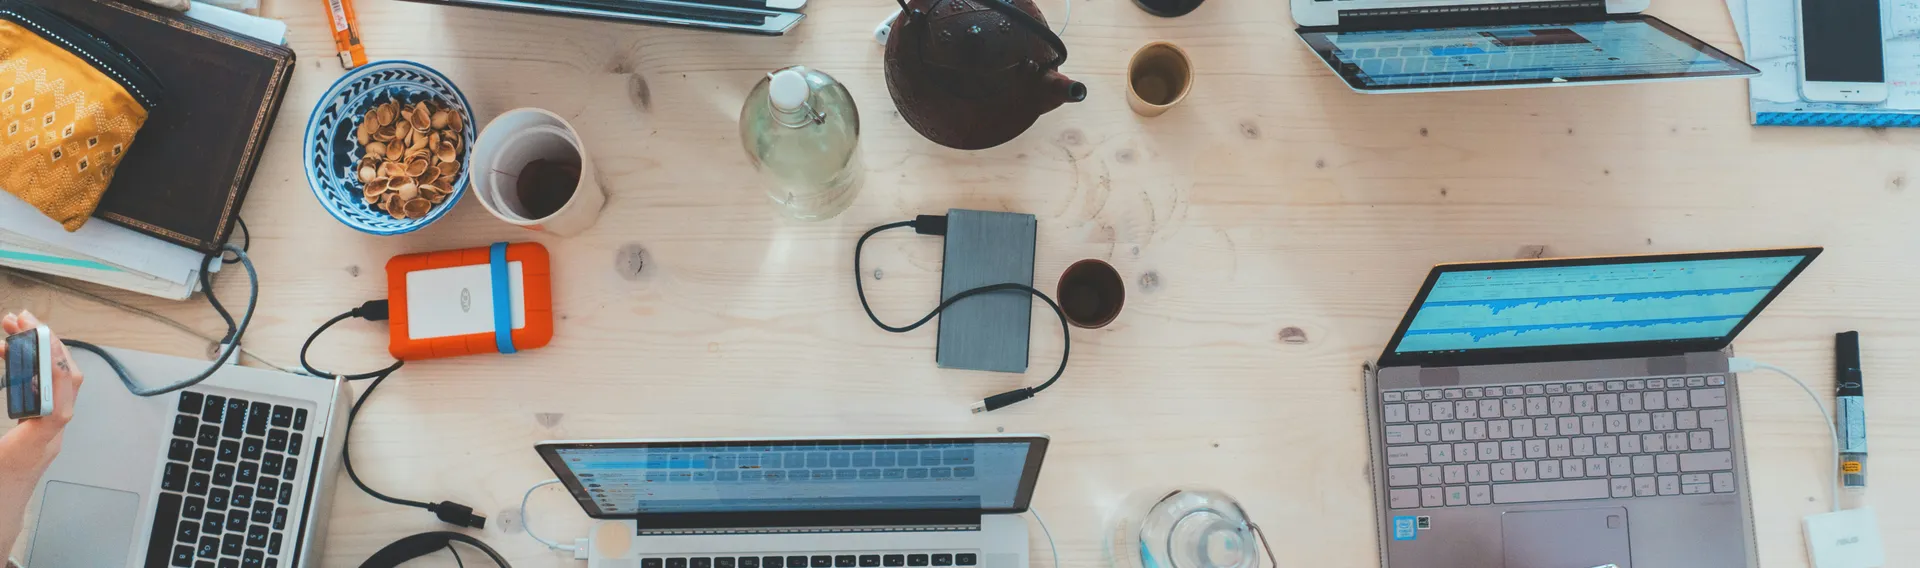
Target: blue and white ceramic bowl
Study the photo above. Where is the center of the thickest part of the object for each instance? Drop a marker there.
(333, 151)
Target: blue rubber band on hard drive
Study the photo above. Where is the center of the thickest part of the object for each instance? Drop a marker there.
(502, 300)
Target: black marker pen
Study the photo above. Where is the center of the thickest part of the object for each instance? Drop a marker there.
(1850, 402)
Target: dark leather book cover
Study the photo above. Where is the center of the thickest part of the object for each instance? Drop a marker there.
(188, 170)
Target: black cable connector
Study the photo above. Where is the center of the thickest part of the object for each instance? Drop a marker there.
(458, 514)
(1002, 400)
(935, 225)
(377, 310)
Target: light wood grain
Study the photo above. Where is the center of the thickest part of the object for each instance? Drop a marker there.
(1272, 198)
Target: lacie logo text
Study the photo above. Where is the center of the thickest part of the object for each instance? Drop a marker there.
(1847, 541)
(466, 300)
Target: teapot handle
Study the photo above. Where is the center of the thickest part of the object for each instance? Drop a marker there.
(1021, 17)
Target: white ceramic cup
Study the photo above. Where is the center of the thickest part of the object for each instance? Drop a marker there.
(517, 138)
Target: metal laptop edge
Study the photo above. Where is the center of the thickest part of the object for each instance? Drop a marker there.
(781, 15)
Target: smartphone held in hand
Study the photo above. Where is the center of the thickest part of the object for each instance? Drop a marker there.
(29, 373)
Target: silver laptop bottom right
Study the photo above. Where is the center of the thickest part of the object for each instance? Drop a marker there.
(1636, 463)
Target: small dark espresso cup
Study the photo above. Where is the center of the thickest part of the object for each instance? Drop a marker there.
(1091, 293)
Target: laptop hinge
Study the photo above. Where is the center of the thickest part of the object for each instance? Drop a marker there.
(1421, 17)
(808, 521)
(808, 530)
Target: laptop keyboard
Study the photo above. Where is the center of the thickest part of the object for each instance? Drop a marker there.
(871, 560)
(1563, 441)
(227, 483)
(877, 462)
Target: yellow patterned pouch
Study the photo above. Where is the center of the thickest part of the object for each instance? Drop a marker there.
(70, 104)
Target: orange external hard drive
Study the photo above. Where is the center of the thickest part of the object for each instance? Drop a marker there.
(495, 299)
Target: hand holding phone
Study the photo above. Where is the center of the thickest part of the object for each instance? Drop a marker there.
(62, 385)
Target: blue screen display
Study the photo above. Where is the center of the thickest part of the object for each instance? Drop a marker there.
(1480, 54)
(1610, 303)
(804, 476)
(23, 373)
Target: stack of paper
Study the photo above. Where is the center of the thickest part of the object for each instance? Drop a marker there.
(100, 252)
(105, 253)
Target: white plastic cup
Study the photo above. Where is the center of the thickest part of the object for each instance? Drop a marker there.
(517, 138)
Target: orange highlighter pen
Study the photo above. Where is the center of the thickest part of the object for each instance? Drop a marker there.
(346, 33)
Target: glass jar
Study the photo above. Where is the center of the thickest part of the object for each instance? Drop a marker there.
(802, 132)
(1186, 528)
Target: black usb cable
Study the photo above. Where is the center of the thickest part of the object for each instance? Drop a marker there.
(378, 310)
(936, 225)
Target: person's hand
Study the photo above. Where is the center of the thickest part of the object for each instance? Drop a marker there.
(32, 445)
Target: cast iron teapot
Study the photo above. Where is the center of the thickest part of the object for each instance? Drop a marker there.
(973, 74)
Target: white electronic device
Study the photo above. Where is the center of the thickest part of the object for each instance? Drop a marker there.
(1841, 59)
(1845, 539)
(30, 373)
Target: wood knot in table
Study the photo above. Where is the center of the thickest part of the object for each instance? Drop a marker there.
(1293, 336)
(630, 261)
(1250, 129)
(641, 94)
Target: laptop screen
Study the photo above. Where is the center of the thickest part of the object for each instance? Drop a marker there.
(759, 476)
(1683, 299)
(1628, 48)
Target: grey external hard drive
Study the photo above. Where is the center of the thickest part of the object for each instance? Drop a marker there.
(987, 332)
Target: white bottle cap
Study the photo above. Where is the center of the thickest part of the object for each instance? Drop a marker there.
(789, 90)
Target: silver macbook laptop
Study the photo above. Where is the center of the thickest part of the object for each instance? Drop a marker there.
(235, 471)
(1381, 46)
(754, 17)
(1570, 413)
(807, 502)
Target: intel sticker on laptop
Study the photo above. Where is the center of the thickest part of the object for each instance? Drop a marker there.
(1404, 528)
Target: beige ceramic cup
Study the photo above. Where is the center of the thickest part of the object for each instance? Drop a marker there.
(1158, 77)
(518, 137)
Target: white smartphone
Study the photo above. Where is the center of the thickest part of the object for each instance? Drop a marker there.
(1840, 51)
(29, 373)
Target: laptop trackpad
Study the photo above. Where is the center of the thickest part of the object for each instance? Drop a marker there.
(83, 526)
(1571, 538)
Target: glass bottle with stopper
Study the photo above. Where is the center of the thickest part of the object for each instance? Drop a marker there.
(801, 130)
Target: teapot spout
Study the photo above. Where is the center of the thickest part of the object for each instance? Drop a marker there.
(1059, 90)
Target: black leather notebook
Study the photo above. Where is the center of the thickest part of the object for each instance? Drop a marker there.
(188, 170)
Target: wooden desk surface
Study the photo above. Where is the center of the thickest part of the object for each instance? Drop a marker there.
(1271, 230)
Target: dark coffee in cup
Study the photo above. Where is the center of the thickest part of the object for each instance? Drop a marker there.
(1091, 293)
(545, 185)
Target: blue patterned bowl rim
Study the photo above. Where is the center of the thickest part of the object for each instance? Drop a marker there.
(332, 190)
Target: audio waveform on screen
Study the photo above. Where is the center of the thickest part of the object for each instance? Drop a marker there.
(1585, 302)
(1579, 319)
(1706, 326)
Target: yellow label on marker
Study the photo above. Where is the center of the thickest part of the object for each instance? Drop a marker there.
(1850, 467)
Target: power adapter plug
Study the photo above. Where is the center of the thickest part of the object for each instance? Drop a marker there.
(1845, 539)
